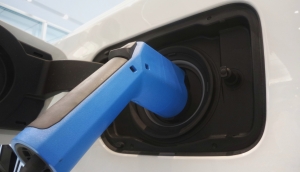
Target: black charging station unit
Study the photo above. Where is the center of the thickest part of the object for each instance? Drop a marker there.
(28, 76)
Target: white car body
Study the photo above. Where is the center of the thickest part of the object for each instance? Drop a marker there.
(278, 148)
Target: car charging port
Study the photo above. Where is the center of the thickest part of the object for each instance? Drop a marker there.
(221, 52)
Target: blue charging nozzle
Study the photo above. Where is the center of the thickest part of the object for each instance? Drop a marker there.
(60, 136)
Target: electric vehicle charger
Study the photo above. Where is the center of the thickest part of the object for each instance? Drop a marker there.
(57, 139)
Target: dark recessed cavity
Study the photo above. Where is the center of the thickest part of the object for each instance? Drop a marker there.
(224, 115)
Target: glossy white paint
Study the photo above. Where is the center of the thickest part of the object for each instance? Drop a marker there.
(278, 149)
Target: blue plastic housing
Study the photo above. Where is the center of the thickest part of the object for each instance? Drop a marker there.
(148, 79)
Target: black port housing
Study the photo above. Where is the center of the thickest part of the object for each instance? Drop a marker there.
(231, 118)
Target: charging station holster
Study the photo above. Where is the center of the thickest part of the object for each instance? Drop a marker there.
(29, 76)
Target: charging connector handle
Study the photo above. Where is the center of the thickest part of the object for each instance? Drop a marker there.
(62, 135)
